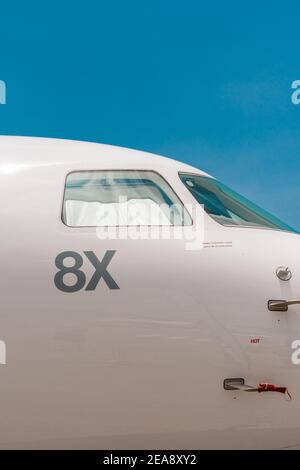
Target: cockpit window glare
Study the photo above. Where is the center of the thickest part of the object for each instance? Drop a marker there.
(113, 198)
(229, 208)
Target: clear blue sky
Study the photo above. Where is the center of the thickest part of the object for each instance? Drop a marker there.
(208, 83)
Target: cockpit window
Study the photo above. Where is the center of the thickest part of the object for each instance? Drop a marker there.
(227, 207)
(113, 198)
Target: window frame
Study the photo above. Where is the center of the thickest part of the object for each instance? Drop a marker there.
(122, 226)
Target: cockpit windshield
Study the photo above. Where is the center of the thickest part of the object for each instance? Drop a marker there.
(227, 207)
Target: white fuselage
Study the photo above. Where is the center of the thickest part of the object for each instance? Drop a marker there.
(141, 366)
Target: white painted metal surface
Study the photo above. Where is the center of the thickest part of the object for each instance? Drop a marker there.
(141, 366)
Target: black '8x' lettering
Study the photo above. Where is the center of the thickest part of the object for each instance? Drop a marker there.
(100, 271)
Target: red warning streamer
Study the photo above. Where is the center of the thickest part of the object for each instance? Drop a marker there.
(264, 387)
